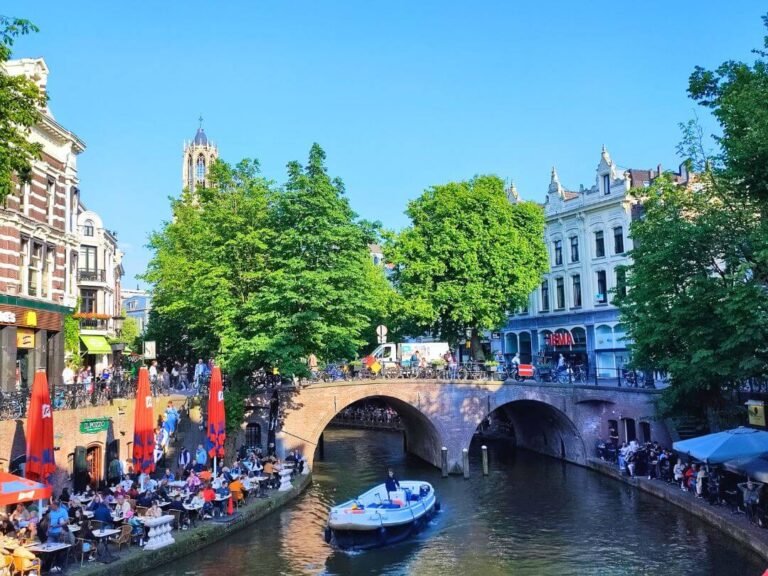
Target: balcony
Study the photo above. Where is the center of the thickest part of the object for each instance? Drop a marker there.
(89, 275)
(94, 324)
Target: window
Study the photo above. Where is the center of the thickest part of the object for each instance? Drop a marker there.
(560, 293)
(599, 244)
(558, 252)
(574, 248)
(48, 264)
(87, 300)
(602, 288)
(545, 296)
(618, 240)
(607, 184)
(190, 172)
(35, 269)
(24, 198)
(24, 255)
(200, 177)
(576, 282)
(88, 257)
(621, 281)
(88, 228)
(50, 199)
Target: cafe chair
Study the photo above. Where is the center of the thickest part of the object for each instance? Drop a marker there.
(176, 518)
(81, 548)
(238, 497)
(141, 511)
(123, 538)
(22, 566)
(6, 563)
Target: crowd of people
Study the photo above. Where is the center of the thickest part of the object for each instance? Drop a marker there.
(712, 484)
(193, 493)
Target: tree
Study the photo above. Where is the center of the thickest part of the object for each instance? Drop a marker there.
(468, 258)
(692, 308)
(260, 276)
(697, 300)
(208, 263)
(321, 290)
(130, 331)
(20, 104)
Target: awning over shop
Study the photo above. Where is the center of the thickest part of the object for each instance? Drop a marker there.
(96, 344)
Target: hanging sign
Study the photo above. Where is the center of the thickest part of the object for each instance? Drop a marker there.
(94, 425)
(25, 338)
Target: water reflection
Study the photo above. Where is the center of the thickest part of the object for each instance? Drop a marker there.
(531, 515)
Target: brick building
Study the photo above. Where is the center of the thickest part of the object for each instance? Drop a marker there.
(39, 250)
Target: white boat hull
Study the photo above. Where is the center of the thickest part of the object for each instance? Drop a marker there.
(377, 518)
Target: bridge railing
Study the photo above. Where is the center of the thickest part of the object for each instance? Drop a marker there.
(492, 371)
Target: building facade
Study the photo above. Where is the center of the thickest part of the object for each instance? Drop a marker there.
(198, 155)
(587, 238)
(137, 305)
(39, 250)
(99, 277)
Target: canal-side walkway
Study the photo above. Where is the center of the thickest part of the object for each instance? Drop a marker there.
(735, 525)
(134, 560)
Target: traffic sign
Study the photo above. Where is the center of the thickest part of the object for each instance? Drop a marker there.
(382, 339)
(381, 331)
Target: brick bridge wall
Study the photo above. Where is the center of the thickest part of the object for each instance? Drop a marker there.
(563, 421)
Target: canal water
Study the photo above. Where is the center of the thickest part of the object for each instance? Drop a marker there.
(531, 516)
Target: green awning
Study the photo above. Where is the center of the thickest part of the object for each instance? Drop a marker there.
(96, 344)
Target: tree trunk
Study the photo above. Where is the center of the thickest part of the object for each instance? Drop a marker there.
(477, 347)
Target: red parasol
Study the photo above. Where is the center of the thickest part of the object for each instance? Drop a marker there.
(143, 426)
(216, 417)
(15, 489)
(40, 462)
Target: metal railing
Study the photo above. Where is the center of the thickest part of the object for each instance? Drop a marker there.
(90, 275)
(94, 324)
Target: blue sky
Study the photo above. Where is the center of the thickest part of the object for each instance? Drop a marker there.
(401, 94)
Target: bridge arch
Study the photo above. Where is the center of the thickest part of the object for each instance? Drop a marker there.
(424, 434)
(538, 425)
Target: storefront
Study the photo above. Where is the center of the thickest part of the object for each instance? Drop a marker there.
(30, 338)
(97, 352)
(611, 354)
(570, 342)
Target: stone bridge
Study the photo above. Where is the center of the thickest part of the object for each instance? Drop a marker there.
(563, 421)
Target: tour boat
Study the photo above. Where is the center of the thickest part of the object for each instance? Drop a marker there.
(377, 518)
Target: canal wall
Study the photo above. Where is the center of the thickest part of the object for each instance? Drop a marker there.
(138, 561)
(735, 525)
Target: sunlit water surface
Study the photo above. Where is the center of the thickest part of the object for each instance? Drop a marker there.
(531, 515)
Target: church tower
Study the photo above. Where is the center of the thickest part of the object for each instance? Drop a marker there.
(199, 154)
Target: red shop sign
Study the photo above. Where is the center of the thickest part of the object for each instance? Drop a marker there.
(560, 339)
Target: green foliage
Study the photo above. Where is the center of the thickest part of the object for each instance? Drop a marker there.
(130, 332)
(468, 258)
(697, 304)
(262, 276)
(72, 337)
(20, 102)
(234, 409)
(320, 289)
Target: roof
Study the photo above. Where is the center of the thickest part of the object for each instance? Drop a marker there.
(568, 195)
(200, 138)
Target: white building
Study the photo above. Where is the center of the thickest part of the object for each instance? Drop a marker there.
(586, 234)
(99, 277)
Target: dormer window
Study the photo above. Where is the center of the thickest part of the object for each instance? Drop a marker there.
(607, 184)
(88, 228)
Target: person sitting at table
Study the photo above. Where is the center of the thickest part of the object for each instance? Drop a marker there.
(209, 497)
(65, 496)
(133, 491)
(162, 492)
(126, 483)
(178, 505)
(76, 516)
(193, 481)
(88, 540)
(169, 476)
(97, 499)
(122, 506)
(103, 514)
(154, 511)
(119, 490)
(20, 517)
(89, 492)
(236, 486)
(145, 499)
(137, 528)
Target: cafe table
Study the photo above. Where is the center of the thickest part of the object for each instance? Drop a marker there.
(46, 548)
(102, 536)
(194, 512)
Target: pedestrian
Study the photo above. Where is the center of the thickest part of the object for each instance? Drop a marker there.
(153, 377)
(184, 461)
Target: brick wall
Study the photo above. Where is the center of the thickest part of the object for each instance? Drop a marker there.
(67, 435)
